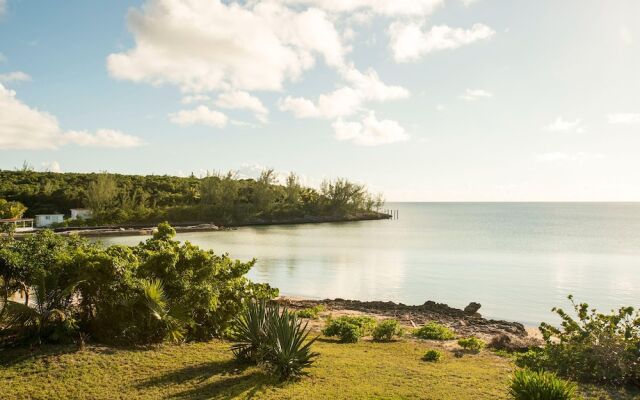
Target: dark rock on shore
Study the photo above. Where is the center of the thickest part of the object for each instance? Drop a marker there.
(472, 308)
(464, 323)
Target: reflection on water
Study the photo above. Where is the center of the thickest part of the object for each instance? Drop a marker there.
(518, 260)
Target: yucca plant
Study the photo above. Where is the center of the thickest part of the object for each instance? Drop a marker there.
(250, 332)
(540, 385)
(289, 350)
(275, 338)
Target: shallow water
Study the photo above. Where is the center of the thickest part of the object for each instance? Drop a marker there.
(517, 259)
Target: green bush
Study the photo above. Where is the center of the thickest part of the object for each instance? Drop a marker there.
(349, 328)
(595, 347)
(311, 312)
(386, 330)
(434, 331)
(432, 355)
(472, 344)
(267, 336)
(158, 290)
(532, 385)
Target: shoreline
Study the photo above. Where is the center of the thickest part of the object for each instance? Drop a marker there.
(467, 322)
(196, 226)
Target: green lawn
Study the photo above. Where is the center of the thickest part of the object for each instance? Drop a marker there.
(365, 370)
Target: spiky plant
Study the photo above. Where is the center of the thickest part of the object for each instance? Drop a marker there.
(531, 385)
(155, 302)
(289, 347)
(250, 332)
(46, 314)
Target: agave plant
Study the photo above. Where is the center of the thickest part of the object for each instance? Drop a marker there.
(264, 334)
(289, 348)
(250, 332)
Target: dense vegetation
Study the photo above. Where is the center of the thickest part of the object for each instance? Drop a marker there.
(159, 290)
(595, 347)
(218, 198)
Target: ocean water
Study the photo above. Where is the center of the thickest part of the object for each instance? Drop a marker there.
(517, 259)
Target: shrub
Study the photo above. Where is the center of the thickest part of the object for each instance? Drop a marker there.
(311, 312)
(532, 385)
(595, 347)
(349, 328)
(386, 330)
(432, 356)
(158, 290)
(472, 344)
(434, 331)
(277, 339)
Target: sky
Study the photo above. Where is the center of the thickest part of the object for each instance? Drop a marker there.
(422, 100)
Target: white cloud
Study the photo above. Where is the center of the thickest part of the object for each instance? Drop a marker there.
(102, 138)
(370, 132)
(468, 3)
(200, 115)
(207, 45)
(16, 76)
(341, 102)
(568, 157)
(243, 100)
(371, 88)
(23, 127)
(475, 94)
(409, 41)
(561, 125)
(624, 118)
(195, 98)
(347, 100)
(380, 7)
(3, 6)
(52, 166)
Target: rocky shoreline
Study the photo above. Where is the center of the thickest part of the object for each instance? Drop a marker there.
(467, 322)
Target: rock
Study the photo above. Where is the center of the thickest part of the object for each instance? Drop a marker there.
(511, 343)
(472, 308)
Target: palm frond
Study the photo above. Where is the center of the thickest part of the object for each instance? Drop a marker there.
(155, 298)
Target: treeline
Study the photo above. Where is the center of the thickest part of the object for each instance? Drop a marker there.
(218, 198)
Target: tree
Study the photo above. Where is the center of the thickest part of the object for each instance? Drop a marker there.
(101, 193)
(293, 190)
(11, 209)
(263, 195)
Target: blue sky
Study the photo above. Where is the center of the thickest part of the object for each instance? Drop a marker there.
(424, 100)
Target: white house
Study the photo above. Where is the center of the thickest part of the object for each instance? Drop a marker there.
(48, 219)
(80, 213)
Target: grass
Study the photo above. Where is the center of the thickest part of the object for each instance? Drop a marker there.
(362, 370)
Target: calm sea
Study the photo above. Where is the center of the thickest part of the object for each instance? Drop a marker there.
(517, 259)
